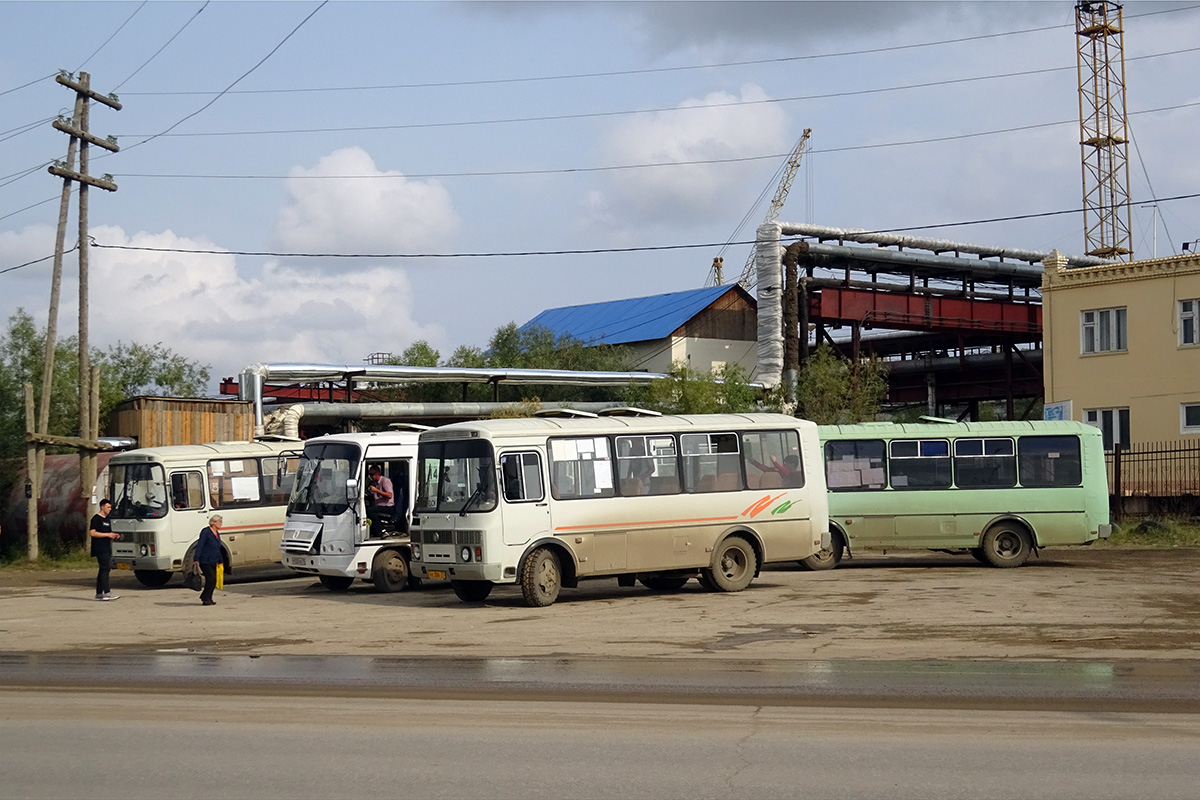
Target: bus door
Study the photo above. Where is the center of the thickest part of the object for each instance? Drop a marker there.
(396, 474)
(189, 508)
(524, 504)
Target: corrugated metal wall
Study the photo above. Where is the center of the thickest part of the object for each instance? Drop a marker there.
(160, 421)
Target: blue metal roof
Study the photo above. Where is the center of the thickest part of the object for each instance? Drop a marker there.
(637, 319)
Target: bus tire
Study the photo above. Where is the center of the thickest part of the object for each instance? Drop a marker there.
(152, 577)
(1006, 545)
(335, 583)
(472, 591)
(734, 565)
(828, 558)
(663, 583)
(541, 578)
(706, 584)
(389, 571)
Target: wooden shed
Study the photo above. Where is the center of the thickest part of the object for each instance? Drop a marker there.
(162, 421)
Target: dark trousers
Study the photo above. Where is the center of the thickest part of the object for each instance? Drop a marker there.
(105, 563)
(209, 571)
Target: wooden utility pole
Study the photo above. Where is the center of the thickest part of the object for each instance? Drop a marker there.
(81, 138)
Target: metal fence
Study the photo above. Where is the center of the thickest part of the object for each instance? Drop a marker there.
(1155, 478)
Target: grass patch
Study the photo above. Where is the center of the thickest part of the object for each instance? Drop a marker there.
(1155, 533)
(77, 558)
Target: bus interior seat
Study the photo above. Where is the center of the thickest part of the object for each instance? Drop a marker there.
(770, 480)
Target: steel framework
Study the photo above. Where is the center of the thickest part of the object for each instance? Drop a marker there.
(1103, 134)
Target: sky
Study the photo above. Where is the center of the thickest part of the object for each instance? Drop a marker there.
(363, 175)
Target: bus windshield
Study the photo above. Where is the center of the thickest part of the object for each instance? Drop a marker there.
(137, 491)
(320, 486)
(456, 476)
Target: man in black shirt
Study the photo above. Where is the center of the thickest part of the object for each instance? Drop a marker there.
(101, 533)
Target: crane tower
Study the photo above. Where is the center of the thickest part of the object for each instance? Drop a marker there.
(785, 184)
(1103, 133)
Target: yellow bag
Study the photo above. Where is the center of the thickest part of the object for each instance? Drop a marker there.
(220, 576)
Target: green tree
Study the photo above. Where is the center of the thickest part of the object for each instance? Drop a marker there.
(686, 391)
(833, 390)
(418, 354)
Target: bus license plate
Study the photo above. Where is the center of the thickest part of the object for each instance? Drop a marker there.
(437, 574)
(121, 565)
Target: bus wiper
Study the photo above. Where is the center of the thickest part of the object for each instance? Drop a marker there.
(477, 493)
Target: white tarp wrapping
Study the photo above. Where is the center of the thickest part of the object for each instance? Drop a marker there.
(768, 264)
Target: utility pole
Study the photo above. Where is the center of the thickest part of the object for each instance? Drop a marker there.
(36, 438)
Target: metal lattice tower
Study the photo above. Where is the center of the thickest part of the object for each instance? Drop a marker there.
(1103, 137)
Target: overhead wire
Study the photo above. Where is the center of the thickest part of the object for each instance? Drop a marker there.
(113, 36)
(190, 20)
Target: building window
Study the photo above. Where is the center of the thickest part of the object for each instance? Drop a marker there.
(1189, 418)
(1189, 320)
(1102, 330)
(1112, 422)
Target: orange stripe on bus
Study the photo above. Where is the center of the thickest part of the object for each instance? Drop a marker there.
(641, 524)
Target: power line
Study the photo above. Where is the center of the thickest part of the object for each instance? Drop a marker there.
(645, 165)
(654, 70)
(37, 260)
(591, 251)
(114, 34)
(659, 110)
(235, 83)
(164, 47)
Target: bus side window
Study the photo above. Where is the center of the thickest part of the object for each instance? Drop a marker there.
(187, 490)
(920, 463)
(522, 476)
(855, 464)
(711, 462)
(1049, 460)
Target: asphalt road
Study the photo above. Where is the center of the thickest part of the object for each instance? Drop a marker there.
(135, 744)
(913, 676)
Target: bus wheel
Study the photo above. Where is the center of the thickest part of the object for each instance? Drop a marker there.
(733, 567)
(389, 571)
(335, 583)
(663, 583)
(472, 591)
(1006, 546)
(152, 577)
(828, 558)
(541, 579)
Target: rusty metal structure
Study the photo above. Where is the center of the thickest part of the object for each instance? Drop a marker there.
(958, 324)
(1103, 130)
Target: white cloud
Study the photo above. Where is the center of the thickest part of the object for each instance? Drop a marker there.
(377, 211)
(208, 308)
(701, 193)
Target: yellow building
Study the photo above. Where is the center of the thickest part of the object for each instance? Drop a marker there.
(1122, 347)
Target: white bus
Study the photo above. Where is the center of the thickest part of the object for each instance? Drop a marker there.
(658, 499)
(163, 496)
(333, 529)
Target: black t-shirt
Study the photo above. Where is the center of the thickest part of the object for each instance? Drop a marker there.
(101, 547)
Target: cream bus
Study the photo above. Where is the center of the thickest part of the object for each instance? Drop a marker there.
(163, 496)
(546, 502)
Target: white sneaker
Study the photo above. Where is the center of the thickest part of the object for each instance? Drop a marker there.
(109, 596)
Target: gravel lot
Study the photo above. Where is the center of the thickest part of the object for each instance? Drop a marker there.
(1069, 603)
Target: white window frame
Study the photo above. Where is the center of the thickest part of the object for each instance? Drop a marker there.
(1189, 322)
(1112, 434)
(1183, 425)
(1104, 326)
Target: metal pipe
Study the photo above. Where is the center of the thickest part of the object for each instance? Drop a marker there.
(822, 232)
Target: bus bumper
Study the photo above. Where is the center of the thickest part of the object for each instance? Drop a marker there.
(345, 566)
(129, 556)
(460, 572)
(1104, 532)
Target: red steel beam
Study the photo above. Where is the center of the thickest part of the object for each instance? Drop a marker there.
(912, 312)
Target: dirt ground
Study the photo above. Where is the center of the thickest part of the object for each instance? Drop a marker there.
(1067, 604)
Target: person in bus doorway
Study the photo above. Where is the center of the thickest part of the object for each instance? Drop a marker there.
(382, 505)
(101, 534)
(208, 554)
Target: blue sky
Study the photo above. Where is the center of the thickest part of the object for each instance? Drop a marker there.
(484, 128)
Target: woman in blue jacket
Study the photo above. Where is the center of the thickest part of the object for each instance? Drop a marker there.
(208, 554)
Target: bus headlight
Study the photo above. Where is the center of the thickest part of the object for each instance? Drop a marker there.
(145, 551)
(416, 552)
(466, 554)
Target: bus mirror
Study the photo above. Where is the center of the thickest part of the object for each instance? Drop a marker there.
(351, 488)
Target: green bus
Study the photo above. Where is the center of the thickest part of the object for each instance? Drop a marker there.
(996, 490)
